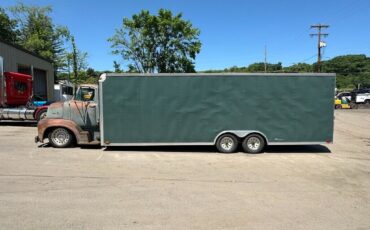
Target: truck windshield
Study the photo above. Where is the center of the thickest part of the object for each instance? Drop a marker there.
(85, 94)
(20, 86)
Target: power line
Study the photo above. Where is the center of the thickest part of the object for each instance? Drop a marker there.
(320, 43)
(307, 59)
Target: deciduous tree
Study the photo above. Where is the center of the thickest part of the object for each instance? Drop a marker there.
(38, 33)
(8, 27)
(163, 43)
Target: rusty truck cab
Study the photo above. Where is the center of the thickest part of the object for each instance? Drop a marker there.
(75, 121)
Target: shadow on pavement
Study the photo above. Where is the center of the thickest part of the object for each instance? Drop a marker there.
(194, 149)
(281, 149)
(47, 145)
(19, 123)
(297, 149)
(212, 149)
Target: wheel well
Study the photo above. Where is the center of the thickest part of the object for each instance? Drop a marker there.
(48, 130)
(241, 134)
(231, 133)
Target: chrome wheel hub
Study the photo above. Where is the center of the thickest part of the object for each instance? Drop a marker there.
(60, 136)
(253, 143)
(227, 143)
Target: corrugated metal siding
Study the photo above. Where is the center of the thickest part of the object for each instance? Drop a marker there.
(14, 57)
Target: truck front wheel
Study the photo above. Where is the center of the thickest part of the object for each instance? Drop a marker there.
(253, 143)
(60, 138)
(227, 143)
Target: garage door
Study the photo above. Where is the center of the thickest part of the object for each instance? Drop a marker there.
(39, 83)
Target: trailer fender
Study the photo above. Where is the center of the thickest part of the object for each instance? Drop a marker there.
(45, 125)
(241, 134)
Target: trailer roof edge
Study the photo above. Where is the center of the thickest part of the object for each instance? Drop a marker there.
(220, 74)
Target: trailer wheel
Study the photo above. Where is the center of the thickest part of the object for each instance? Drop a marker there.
(227, 143)
(60, 138)
(253, 143)
(41, 115)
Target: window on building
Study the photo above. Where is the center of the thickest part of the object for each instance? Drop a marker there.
(24, 69)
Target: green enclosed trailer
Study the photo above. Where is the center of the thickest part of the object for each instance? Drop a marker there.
(216, 109)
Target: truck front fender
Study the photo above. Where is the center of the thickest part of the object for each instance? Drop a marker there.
(45, 125)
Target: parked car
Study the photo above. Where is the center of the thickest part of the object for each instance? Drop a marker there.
(361, 96)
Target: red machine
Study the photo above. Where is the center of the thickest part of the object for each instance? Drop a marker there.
(15, 98)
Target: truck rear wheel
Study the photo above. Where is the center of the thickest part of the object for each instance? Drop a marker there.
(253, 143)
(227, 143)
(60, 138)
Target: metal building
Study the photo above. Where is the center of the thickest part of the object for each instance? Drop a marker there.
(17, 59)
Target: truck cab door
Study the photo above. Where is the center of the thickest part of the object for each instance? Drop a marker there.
(86, 109)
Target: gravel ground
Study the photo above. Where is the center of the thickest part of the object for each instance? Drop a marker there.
(306, 187)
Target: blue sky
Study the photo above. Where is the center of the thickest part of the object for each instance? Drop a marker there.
(233, 32)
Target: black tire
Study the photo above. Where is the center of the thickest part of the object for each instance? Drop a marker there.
(353, 105)
(367, 102)
(227, 143)
(60, 138)
(41, 115)
(338, 106)
(253, 143)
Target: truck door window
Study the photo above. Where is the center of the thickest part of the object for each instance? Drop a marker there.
(85, 94)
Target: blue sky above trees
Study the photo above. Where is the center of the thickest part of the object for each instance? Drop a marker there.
(233, 32)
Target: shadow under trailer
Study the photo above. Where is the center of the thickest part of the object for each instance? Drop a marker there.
(225, 110)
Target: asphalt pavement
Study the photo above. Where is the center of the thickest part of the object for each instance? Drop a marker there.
(296, 187)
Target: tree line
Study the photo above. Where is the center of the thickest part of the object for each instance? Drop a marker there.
(147, 43)
(352, 70)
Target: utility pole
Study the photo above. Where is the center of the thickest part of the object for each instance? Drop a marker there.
(265, 59)
(320, 43)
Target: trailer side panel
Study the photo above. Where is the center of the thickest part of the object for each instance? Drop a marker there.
(195, 109)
